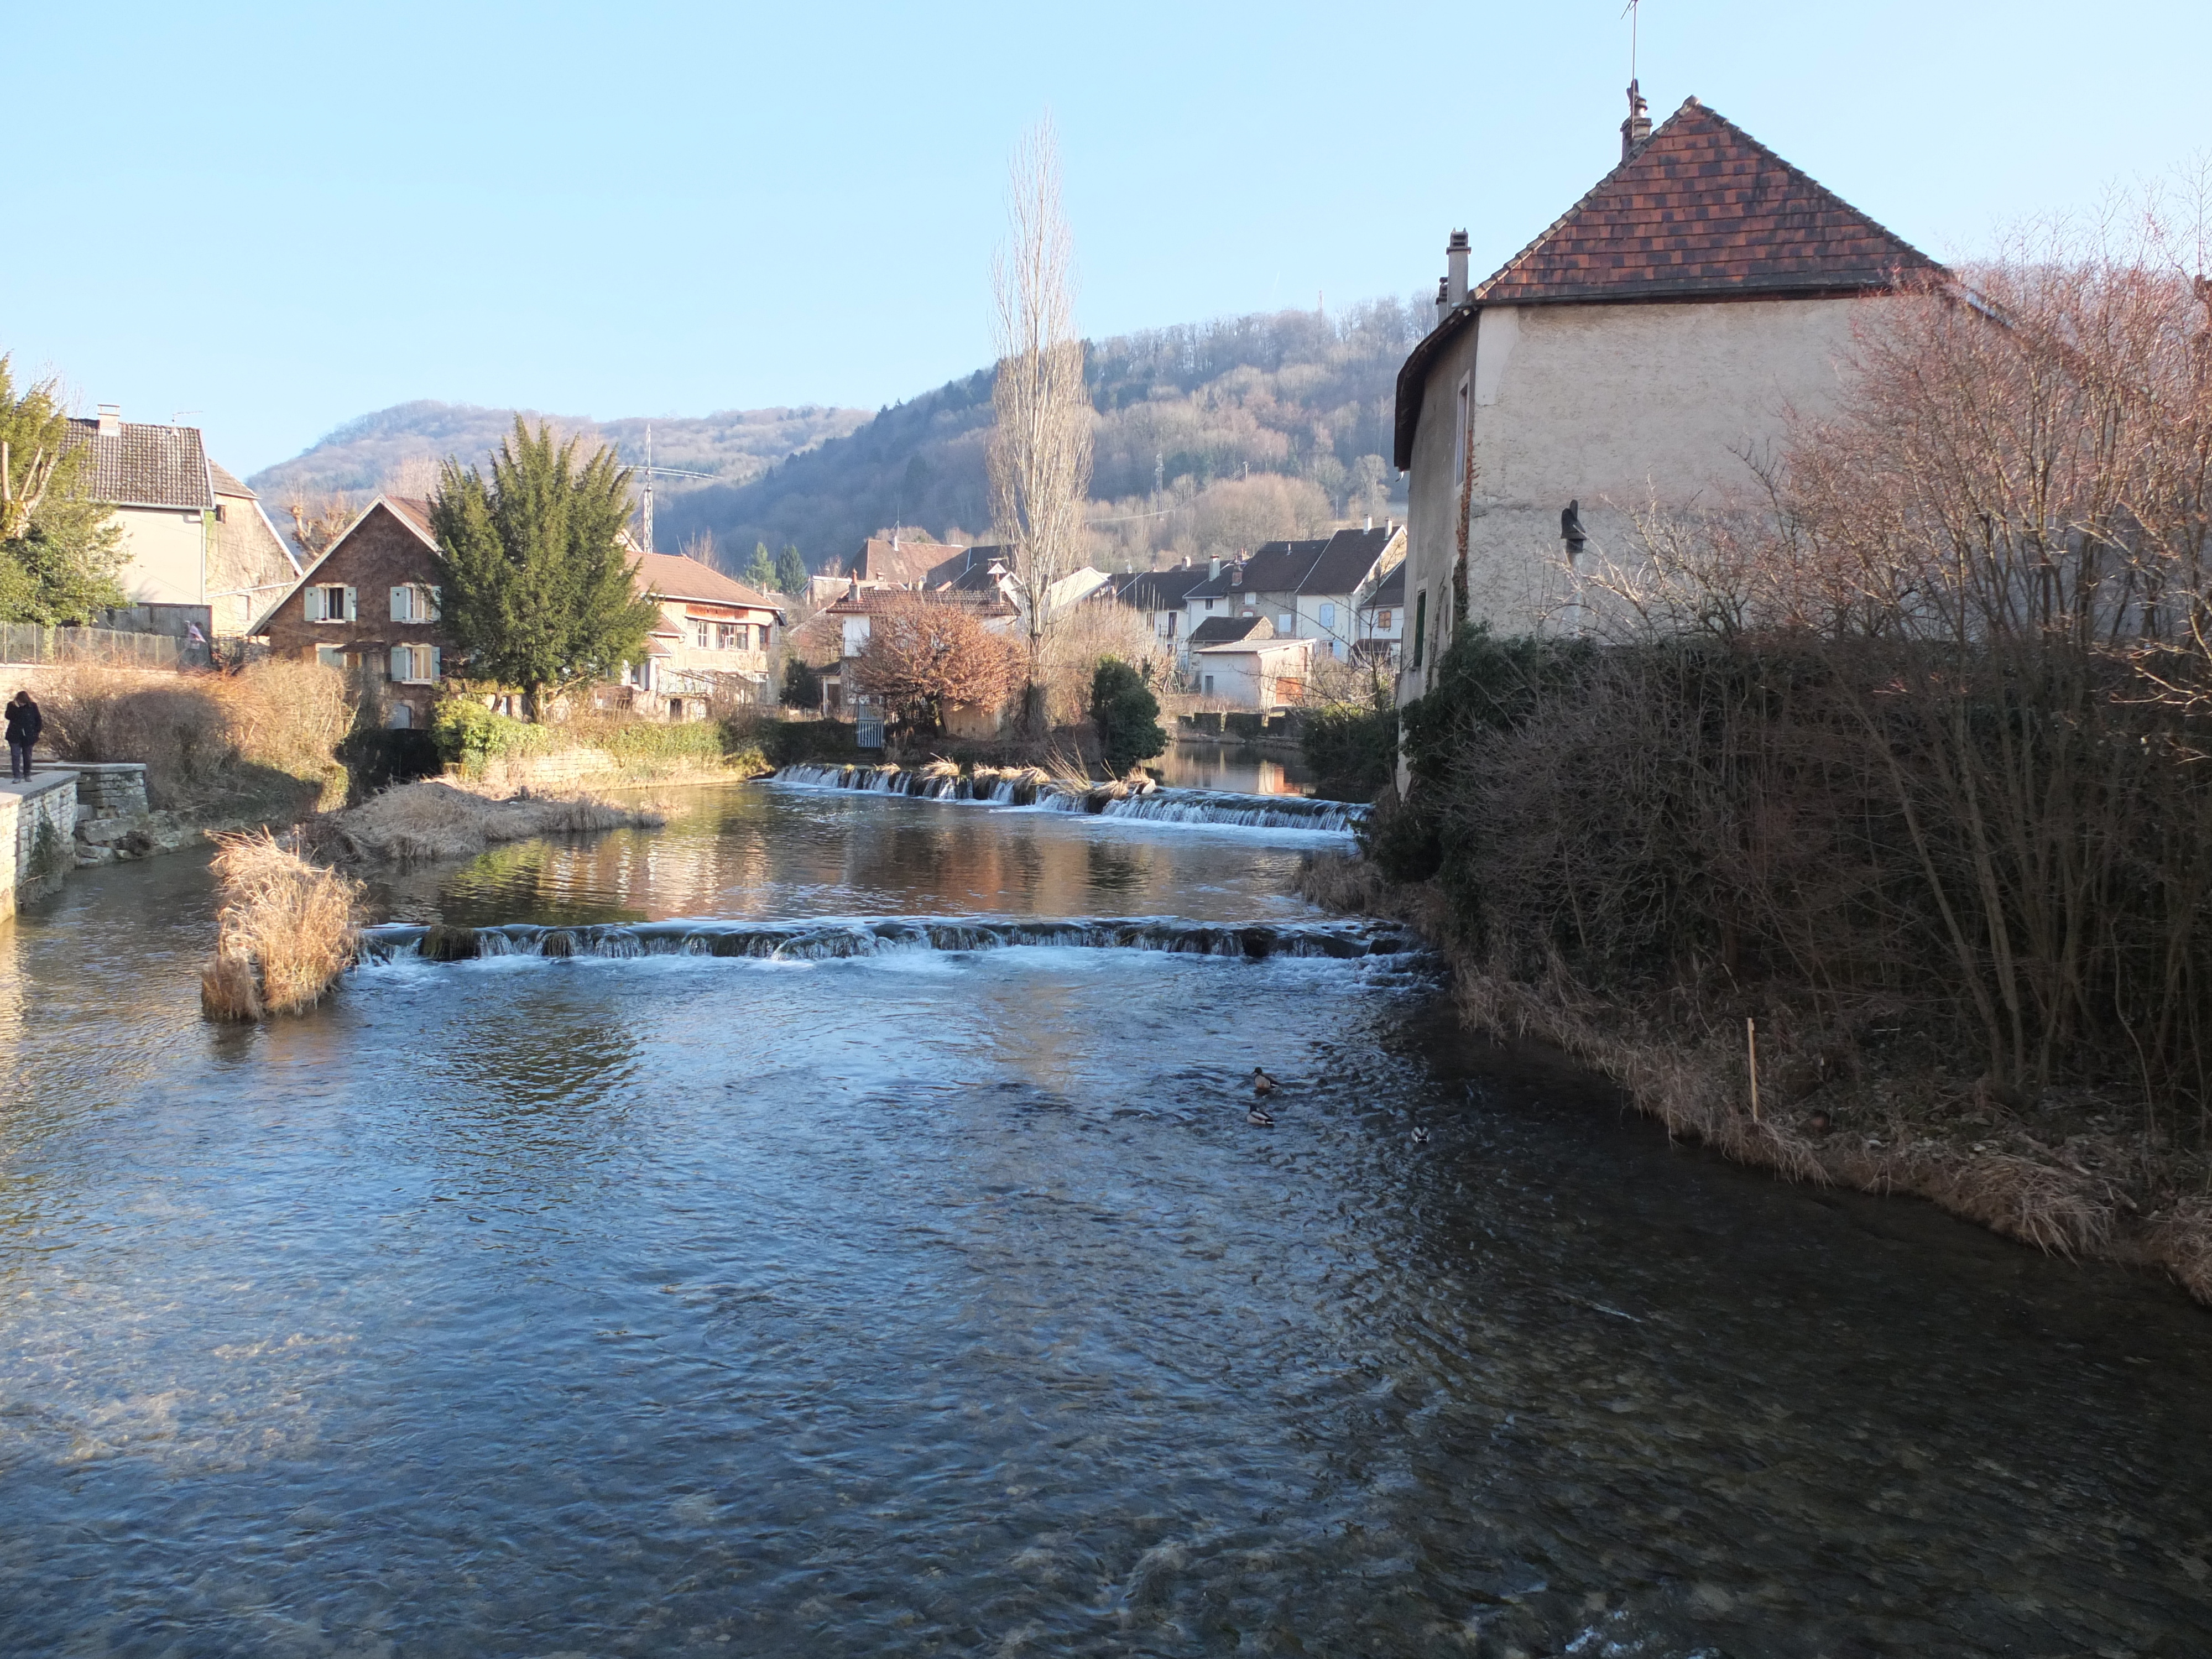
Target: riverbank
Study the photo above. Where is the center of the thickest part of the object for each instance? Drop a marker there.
(2067, 1173)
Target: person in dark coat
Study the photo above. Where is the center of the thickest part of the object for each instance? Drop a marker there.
(24, 724)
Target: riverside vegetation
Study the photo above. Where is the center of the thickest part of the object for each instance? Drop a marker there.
(1868, 836)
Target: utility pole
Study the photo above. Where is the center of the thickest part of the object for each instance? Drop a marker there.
(645, 513)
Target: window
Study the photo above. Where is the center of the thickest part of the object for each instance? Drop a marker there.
(1287, 623)
(730, 636)
(702, 634)
(416, 602)
(330, 604)
(1420, 624)
(1209, 604)
(331, 656)
(1383, 617)
(401, 719)
(417, 665)
(1209, 678)
(1328, 615)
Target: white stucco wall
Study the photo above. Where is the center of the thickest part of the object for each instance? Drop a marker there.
(1617, 406)
(165, 555)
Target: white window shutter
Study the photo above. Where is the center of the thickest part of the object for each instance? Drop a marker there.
(351, 614)
(437, 662)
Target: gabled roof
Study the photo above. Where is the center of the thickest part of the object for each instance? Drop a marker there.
(1230, 579)
(678, 577)
(1389, 592)
(967, 569)
(1348, 560)
(1281, 566)
(907, 561)
(406, 511)
(1227, 630)
(1158, 590)
(1699, 211)
(1702, 208)
(143, 465)
(227, 482)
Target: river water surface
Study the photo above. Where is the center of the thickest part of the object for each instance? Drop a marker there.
(943, 1301)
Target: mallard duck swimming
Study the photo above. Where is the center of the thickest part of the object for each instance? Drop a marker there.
(1262, 1084)
(1261, 1115)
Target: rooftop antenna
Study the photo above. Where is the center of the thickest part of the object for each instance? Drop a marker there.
(1637, 127)
(645, 501)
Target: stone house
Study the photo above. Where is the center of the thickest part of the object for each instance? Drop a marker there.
(198, 550)
(716, 639)
(370, 606)
(1629, 357)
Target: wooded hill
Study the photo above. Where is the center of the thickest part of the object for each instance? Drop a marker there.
(1212, 437)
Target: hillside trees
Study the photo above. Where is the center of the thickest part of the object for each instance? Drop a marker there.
(761, 573)
(536, 586)
(59, 549)
(1039, 454)
(790, 571)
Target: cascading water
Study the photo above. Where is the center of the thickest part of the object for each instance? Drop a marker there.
(838, 938)
(1152, 805)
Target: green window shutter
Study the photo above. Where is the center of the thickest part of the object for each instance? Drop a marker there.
(401, 668)
(437, 663)
(1421, 623)
(399, 607)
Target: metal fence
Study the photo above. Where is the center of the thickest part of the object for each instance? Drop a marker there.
(25, 643)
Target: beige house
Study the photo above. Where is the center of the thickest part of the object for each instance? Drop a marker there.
(715, 640)
(193, 535)
(1632, 356)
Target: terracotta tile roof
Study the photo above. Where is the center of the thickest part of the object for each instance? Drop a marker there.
(144, 466)
(674, 576)
(1701, 208)
(415, 513)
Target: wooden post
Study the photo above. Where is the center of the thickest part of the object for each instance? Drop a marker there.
(1751, 1048)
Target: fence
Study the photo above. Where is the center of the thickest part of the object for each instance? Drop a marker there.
(28, 642)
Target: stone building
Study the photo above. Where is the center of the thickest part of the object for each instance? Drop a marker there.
(1631, 356)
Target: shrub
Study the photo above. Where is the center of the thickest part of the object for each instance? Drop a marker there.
(792, 742)
(1127, 716)
(376, 758)
(469, 735)
(1352, 748)
(802, 685)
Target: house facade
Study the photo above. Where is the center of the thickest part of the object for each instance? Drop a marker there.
(1310, 589)
(370, 606)
(1241, 662)
(716, 639)
(1629, 357)
(1380, 620)
(198, 549)
(1162, 597)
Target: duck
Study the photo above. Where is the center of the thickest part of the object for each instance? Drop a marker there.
(1261, 1116)
(1420, 1136)
(1262, 1084)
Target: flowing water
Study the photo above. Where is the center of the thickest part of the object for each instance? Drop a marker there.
(569, 1285)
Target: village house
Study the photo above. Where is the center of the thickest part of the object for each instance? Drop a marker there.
(1381, 620)
(370, 606)
(1162, 597)
(853, 618)
(198, 551)
(1629, 357)
(1310, 589)
(715, 641)
(1242, 662)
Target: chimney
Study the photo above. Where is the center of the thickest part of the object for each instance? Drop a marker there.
(111, 420)
(1237, 574)
(1456, 268)
(1214, 569)
(1443, 299)
(1637, 127)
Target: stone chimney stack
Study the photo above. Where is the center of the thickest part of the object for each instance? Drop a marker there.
(111, 420)
(1637, 127)
(1444, 302)
(1456, 269)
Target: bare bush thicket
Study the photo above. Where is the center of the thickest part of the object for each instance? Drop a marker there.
(1914, 737)
(287, 930)
(1089, 632)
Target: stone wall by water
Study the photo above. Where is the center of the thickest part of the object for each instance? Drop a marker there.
(37, 821)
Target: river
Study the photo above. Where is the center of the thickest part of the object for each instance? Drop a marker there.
(943, 1301)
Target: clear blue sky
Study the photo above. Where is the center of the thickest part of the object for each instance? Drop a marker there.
(278, 217)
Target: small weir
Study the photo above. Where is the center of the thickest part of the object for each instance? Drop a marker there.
(1032, 787)
(833, 938)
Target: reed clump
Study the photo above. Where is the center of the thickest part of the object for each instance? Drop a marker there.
(437, 820)
(287, 930)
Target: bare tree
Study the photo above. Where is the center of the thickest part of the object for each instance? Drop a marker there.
(926, 654)
(1040, 448)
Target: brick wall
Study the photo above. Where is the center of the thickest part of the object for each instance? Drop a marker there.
(379, 554)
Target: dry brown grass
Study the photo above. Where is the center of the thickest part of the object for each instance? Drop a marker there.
(436, 820)
(287, 930)
(205, 738)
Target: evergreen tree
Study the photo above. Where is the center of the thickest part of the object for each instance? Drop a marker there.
(1127, 715)
(59, 549)
(761, 573)
(802, 684)
(537, 584)
(791, 571)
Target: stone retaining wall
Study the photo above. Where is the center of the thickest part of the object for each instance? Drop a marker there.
(38, 821)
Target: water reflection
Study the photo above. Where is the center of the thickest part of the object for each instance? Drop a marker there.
(1240, 768)
(946, 1303)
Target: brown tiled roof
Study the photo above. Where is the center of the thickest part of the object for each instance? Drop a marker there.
(228, 482)
(415, 513)
(675, 576)
(1702, 208)
(144, 466)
